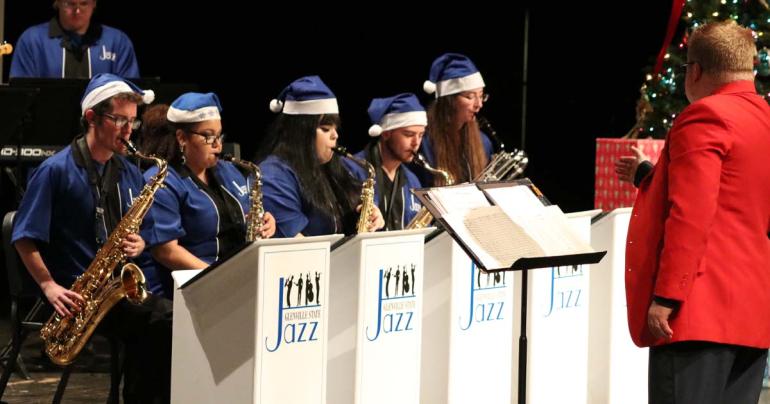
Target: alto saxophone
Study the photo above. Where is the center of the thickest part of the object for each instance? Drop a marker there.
(65, 336)
(367, 190)
(256, 215)
(423, 218)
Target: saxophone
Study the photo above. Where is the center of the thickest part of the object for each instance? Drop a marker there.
(504, 165)
(423, 218)
(100, 288)
(367, 190)
(256, 215)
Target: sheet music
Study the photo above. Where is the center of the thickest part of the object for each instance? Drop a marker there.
(519, 198)
(457, 223)
(500, 237)
(551, 230)
(458, 199)
(517, 226)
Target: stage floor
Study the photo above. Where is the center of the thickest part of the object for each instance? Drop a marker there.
(89, 383)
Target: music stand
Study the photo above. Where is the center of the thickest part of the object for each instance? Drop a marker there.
(522, 264)
(15, 116)
(55, 113)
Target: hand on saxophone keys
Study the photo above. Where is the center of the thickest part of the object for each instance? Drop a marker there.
(268, 226)
(376, 221)
(133, 245)
(64, 301)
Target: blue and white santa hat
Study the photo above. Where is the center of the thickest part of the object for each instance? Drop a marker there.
(395, 112)
(194, 107)
(105, 85)
(452, 73)
(305, 96)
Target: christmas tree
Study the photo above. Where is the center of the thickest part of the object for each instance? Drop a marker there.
(662, 94)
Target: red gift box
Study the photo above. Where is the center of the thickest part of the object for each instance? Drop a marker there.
(609, 193)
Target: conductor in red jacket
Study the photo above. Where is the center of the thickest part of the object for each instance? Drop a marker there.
(698, 253)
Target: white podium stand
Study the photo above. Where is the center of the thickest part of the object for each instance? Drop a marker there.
(467, 329)
(557, 330)
(247, 331)
(617, 367)
(375, 305)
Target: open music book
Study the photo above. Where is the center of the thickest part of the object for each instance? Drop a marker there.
(505, 225)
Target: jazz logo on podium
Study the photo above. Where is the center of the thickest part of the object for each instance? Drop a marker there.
(299, 310)
(566, 288)
(487, 298)
(396, 301)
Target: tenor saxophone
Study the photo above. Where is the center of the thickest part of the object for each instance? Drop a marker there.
(423, 218)
(256, 215)
(100, 288)
(367, 190)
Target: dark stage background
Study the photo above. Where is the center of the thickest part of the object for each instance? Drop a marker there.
(586, 63)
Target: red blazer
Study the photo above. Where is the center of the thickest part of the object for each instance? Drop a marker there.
(699, 228)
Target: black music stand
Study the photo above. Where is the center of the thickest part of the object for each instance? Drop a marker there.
(15, 106)
(521, 264)
(55, 114)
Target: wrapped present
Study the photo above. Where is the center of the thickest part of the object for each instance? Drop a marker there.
(609, 193)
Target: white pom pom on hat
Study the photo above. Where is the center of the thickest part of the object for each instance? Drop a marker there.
(276, 106)
(429, 87)
(375, 130)
(148, 97)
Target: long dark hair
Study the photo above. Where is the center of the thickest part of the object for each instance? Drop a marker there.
(328, 187)
(158, 135)
(451, 151)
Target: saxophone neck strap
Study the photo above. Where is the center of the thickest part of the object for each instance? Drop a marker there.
(103, 189)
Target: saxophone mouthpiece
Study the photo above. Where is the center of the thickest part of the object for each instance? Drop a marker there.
(226, 156)
(340, 150)
(130, 146)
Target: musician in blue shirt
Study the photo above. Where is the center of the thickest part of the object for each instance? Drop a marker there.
(200, 213)
(398, 125)
(453, 141)
(71, 46)
(306, 186)
(74, 200)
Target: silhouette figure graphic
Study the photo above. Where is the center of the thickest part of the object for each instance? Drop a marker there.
(309, 286)
(398, 276)
(387, 282)
(300, 282)
(414, 281)
(405, 286)
(318, 287)
(289, 284)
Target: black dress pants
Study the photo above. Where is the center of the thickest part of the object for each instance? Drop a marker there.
(145, 331)
(705, 373)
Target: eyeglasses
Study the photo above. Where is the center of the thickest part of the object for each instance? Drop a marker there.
(484, 97)
(121, 121)
(209, 139)
(75, 4)
(683, 66)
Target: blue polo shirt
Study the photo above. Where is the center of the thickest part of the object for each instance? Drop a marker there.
(58, 213)
(183, 211)
(410, 205)
(282, 197)
(39, 53)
